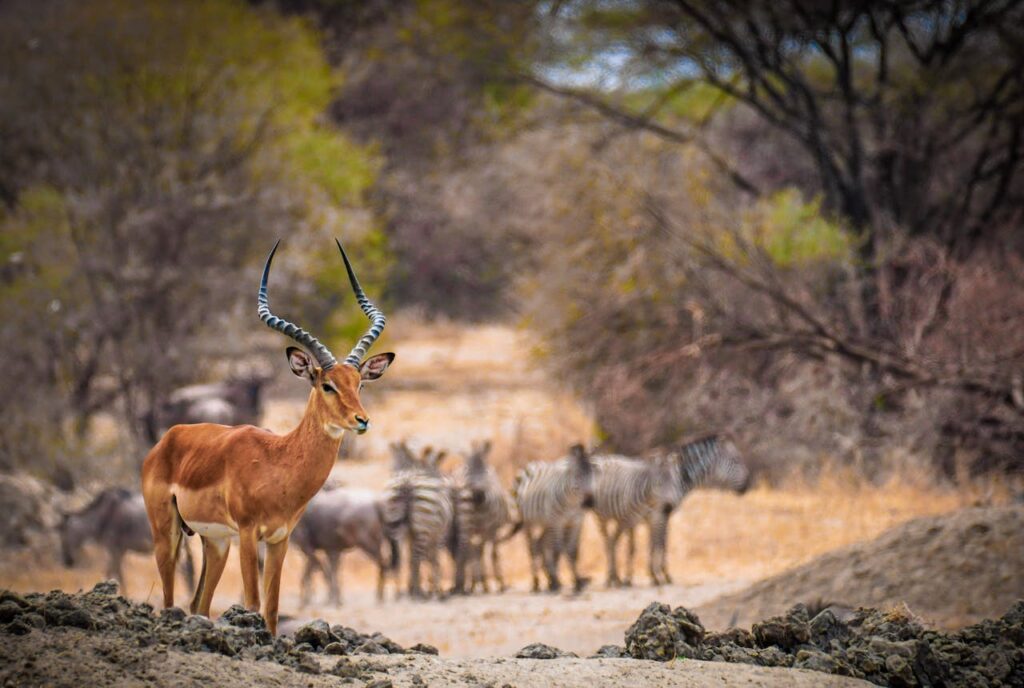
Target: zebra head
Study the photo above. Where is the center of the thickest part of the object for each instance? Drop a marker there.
(713, 461)
(581, 471)
(478, 472)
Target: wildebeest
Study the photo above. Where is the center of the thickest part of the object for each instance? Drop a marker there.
(235, 401)
(116, 520)
(337, 520)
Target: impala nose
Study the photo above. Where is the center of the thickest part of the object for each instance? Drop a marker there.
(362, 424)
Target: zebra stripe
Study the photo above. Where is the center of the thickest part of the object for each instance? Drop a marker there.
(550, 498)
(710, 461)
(418, 505)
(482, 509)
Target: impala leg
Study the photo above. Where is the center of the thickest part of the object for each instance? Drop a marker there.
(248, 555)
(272, 567)
(188, 568)
(163, 521)
(215, 556)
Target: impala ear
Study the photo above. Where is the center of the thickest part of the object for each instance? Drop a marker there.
(301, 364)
(373, 367)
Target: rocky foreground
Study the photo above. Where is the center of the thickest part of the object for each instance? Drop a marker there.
(99, 637)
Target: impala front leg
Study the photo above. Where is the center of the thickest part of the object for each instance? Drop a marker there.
(248, 554)
(272, 582)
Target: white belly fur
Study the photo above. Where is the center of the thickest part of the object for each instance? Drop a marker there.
(214, 531)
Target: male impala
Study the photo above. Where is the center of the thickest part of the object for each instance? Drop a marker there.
(223, 482)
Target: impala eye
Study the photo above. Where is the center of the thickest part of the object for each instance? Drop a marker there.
(327, 388)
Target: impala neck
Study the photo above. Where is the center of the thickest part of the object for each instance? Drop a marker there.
(316, 449)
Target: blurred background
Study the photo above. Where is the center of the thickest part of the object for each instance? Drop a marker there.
(621, 223)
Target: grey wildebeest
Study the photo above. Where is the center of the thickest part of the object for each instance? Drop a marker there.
(235, 401)
(116, 520)
(337, 520)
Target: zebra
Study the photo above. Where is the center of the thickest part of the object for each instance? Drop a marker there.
(550, 498)
(418, 504)
(482, 508)
(626, 492)
(709, 461)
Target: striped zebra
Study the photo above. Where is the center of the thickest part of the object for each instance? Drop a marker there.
(551, 498)
(708, 461)
(630, 491)
(418, 506)
(626, 492)
(482, 509)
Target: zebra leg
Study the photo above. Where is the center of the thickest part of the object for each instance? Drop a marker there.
(630, 555)
(435, 573)
(496, 567)
(415, 591)
(551, 546)
(533, 547)
(572, 546)
(609, 553)
(481, 572)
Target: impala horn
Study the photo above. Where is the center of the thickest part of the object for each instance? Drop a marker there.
(320, 352)
(377, 318)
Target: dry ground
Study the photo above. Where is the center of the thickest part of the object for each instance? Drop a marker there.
(452, 385)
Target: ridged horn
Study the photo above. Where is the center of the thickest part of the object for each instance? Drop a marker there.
(320, 352)
(377, 318)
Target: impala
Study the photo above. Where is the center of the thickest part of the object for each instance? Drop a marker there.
(224, 482)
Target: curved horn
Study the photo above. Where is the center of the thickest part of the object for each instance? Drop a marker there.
(320, 352)
(377, 318)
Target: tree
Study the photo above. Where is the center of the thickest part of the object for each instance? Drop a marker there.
(153, 152)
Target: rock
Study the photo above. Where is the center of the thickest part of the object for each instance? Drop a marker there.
(610, 651)
(423, 649)
(338, 647)
(239, 616)
(815, 661)
(662, 634)
(107, 587)
(785, 632)
(380, 683)
(370, 647)
(317, 633)
(198, 623)
(9, 611)
(172, 614)
(307, 664)
(542, 651)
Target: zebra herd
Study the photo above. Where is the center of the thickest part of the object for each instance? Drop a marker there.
(465, 515)
(469, 513)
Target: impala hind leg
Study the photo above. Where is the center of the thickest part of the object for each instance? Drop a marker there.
(215, 556)
(166, 527)
(272, 582)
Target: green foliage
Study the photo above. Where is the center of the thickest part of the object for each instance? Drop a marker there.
(794, 232)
